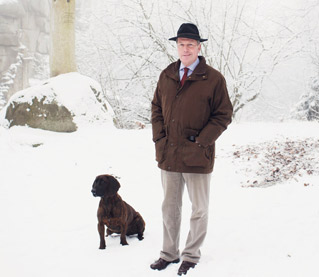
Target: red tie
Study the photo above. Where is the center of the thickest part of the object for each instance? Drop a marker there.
(184, 76)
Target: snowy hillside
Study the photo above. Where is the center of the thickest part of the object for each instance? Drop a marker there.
(48, 215)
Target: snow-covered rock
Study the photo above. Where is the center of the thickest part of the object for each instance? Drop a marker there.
(61, 104)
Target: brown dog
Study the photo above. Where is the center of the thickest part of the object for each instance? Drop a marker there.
(116, 214)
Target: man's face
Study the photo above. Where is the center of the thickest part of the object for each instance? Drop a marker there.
(188, 50)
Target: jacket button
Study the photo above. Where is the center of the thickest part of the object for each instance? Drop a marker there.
(172, 144)
(173, 120)
(169, 168)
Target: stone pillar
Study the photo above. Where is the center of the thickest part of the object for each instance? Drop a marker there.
(62, 52)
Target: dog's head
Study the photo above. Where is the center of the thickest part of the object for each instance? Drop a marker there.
(105, 185)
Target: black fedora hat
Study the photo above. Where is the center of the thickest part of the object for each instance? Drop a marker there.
(188, 30)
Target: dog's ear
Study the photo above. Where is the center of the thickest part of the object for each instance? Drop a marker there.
(112, 185)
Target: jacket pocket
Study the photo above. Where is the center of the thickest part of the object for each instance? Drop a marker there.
(160, 149)
(196, 155)
(190, 132)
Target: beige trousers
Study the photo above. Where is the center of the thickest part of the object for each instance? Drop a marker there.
(198, 186)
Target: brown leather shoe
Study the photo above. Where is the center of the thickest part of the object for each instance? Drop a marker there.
(161, 264)
(185, 266)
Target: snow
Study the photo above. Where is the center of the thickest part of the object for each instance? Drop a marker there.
(48, 215)
(2, 2)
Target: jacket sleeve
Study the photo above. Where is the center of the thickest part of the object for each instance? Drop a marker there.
(220, 115)
(157, 116)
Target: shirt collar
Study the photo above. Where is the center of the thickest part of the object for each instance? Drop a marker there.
(191, 67)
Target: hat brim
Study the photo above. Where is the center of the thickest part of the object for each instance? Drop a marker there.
(191, 36)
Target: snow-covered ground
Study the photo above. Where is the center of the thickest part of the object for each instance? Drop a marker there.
(48, 215)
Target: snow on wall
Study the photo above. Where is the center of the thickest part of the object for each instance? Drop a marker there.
(23, 23)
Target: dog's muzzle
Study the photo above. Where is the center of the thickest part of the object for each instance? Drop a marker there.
(94, 192)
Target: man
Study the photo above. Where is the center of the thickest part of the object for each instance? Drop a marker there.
(190, 110)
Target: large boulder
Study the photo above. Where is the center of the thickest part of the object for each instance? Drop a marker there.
(61, 104)
(39, 114)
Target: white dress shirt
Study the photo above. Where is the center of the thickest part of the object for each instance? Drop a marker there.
(191, 68)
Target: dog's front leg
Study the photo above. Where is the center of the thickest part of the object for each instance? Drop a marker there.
(101, 229)
(123, 234)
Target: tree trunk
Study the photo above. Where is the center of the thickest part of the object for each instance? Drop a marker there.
(62, 53)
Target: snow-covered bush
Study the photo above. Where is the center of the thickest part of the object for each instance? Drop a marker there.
(308, 106)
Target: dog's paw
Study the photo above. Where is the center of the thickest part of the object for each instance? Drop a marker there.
(102, 246)
(124, 243)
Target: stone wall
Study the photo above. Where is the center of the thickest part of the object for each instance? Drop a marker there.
(24, 44)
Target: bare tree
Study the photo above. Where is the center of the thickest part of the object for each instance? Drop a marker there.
(62, 54)
(238, 46)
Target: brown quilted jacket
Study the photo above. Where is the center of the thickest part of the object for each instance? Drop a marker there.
(201, 108)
